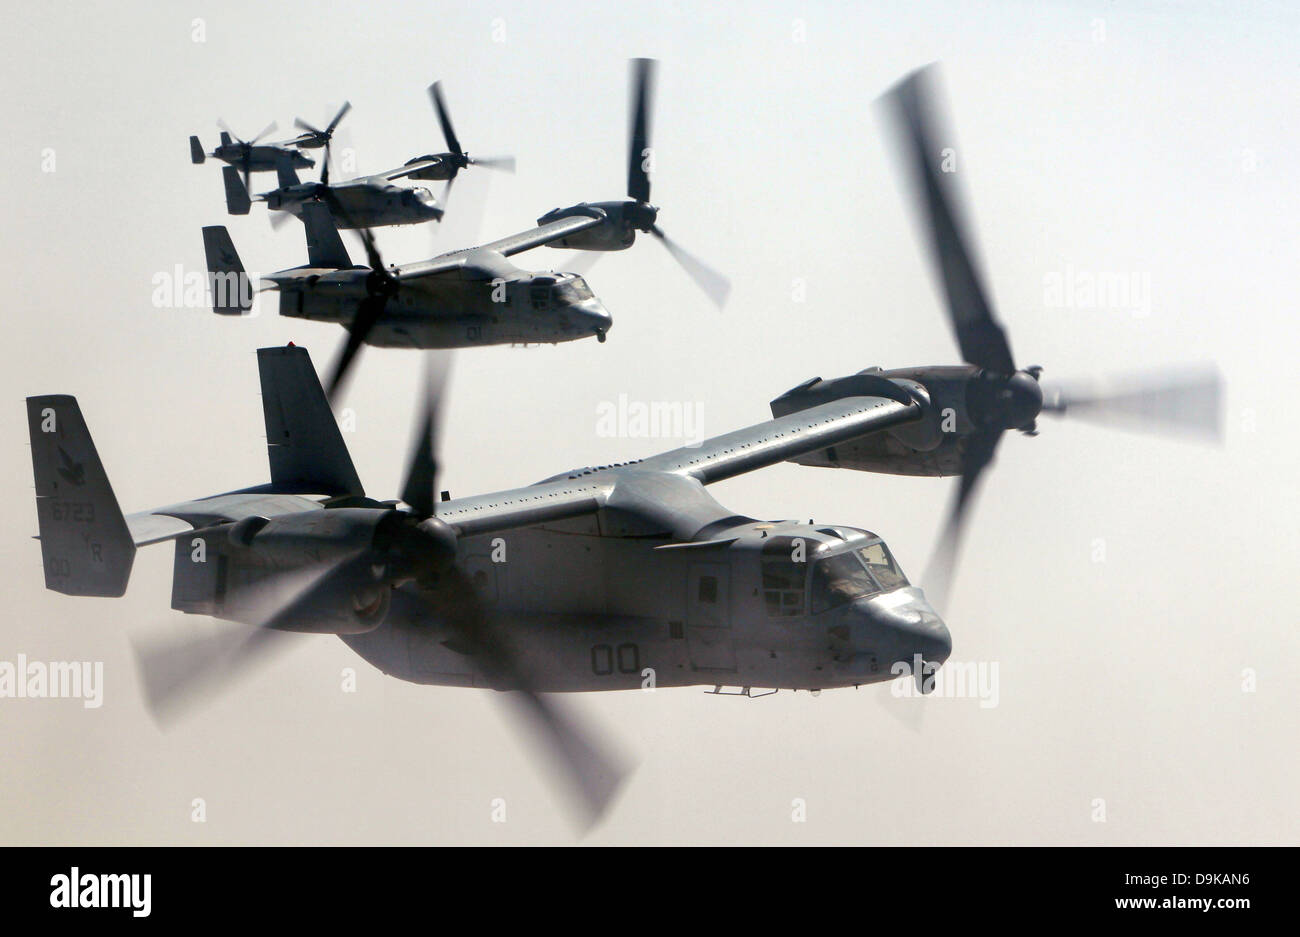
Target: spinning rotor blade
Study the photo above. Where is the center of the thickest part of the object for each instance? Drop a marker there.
(269, 128)
(999, 397)
(347, 106)
(372, 250)
(1186, 402)
(922, 140)
(503, 163)
(716, 286)
(422, 473)
(322, 137)
(177, 674)
(594, 774)
(942, 569)
(461, 158)
(638, 179)
(381, 285)
(581, 262)
(368, 314)
(444, 118)
(226, 127)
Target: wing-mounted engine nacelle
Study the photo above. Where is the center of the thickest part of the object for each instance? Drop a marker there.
(342, 560)
(622, 220)
(442, 167)
(920, 447)
(969, 399)
(957, 401)
(285, 197)
(325, 297)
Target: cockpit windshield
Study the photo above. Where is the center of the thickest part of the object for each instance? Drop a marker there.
(572, 291)
(837, 580)
(882, 566)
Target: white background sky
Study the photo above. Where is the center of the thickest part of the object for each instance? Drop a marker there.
(1128, 152)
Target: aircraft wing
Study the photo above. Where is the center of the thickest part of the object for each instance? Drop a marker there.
(787, 437)
(543, 234)
(666, 491)
(401, 172)
(514, 244)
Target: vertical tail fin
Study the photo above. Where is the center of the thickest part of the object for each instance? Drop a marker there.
(232, 292)
(285, 174)
(324, 246)
(225, 139)
(303, 441)
(85, 544)
(237, 201)
(197, 156)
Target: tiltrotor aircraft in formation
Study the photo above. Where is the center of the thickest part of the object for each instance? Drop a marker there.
(610, 573)
(462, 298)
(369, 201)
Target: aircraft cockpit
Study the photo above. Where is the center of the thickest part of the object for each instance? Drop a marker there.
(802, 576)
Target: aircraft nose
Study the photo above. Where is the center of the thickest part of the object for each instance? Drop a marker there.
(927, 635)
(590, 316)
(909, 625)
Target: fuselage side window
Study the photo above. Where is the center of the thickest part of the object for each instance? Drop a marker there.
(785, 578)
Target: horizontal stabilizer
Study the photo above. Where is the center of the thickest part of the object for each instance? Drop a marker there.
(197, 156)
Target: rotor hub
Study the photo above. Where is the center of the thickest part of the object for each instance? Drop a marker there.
(1004, 402)
(381, 283)
(641, 215)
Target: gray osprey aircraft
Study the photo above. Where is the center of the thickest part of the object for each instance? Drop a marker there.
(248, 156)
(364, 202)
(370, 201)
(598, 578)
(459, 299)
(594, 579)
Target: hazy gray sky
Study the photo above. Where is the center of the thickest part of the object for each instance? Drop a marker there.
(1153, 140)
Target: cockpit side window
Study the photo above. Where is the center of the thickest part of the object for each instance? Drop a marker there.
(785, 577)
(838, 580)
(882, 566)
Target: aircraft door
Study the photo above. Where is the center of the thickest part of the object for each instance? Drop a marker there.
(708, 617)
